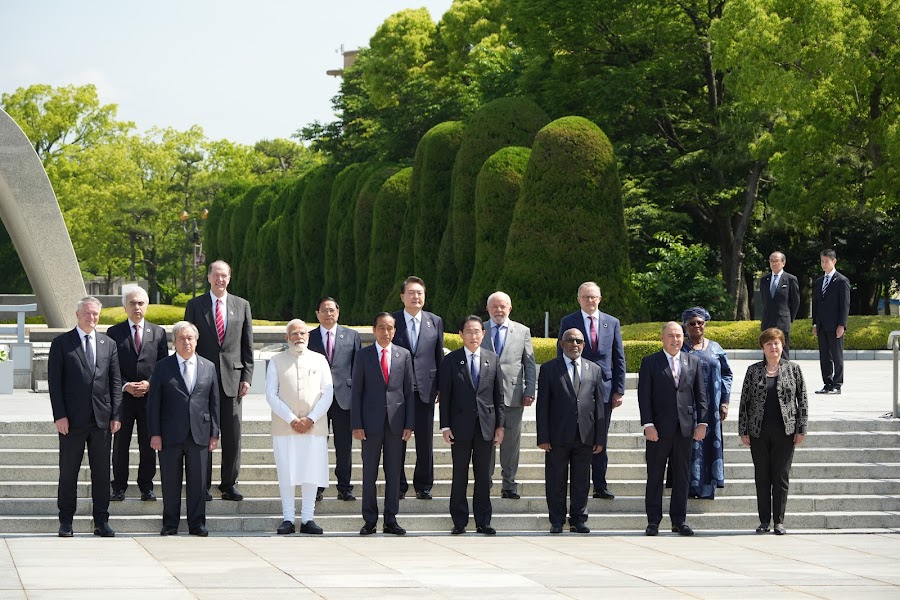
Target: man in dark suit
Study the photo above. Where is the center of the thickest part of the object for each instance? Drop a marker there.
(382, 413)
(603, 346)
(422, 333)
(86, 396)
(472, 416)
(183, 419)
(779, 293)
(511, 341)
(672, 401)
(225, 328)
(140, 344)
(570, 429)
(339, 345)
(830, 309)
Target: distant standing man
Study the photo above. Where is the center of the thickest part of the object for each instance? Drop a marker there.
(780, 295)
(86, 396)
(830, 309)
(183, 418)
(570, 430)
(339, 345)
(382, 414)
(422, 333)
(140, 345)
(604, 347)
(299, 391)
(472, 423)
(511, 341)
(226, 339)
(672, 398)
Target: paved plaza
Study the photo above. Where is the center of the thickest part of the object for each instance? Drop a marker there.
(732, 565)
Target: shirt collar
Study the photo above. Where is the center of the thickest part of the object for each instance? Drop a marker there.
(224, 298)
(595, 314)
(469, 353)
(503, 324)
(389, 348)
(192, 360)
(407, 317)
(831, 274)
(81, 333)
(140, 324)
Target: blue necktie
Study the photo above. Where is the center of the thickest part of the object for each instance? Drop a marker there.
(498, 344)
(473, 367)
(413, 336)
(89, 353)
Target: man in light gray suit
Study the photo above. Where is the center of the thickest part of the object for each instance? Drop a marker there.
(511, 341)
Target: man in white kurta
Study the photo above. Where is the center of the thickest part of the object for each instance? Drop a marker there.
(299, 390)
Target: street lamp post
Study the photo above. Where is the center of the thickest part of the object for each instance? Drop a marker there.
(192, 237)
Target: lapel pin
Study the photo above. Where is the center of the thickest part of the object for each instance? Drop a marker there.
(396, 355)
(684, 362)
(462, 362)
(341, 336)
(487, 363)
(605, 325)
(428, 324)
(101, 341)
(147, 330)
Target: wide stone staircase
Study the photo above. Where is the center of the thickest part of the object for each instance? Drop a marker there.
(846, 475)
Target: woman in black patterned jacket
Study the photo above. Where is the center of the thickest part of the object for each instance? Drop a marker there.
(772, 422)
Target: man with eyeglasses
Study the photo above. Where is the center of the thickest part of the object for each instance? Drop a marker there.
(570, 429)
(603, 346)
(339, 345)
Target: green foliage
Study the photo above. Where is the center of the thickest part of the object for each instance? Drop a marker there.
(312, 221)
(429, 193)
(161, 314)
(500, 123)
(362, 236)
(217, 215)
(12, 273)
(181, 300)
(286, 237)
(268, 282)
(248, 271)
(682, 277)
(241, 217)
(390, 207)
(568, 226)
(497, 191)
(441, 293)
(343, 197)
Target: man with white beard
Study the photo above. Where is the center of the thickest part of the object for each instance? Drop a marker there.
(299, 390)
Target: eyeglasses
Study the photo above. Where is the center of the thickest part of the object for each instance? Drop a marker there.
(576, 341)
(590, 297)
(328, 311)
(696, 324)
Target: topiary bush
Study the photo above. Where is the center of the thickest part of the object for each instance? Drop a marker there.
(241, 217)
(313, 220)
(429, 194)
(498, 124)
(496, 194)
(362, 235)
(568, 226)
(269, 282)
(293, 195)
(343, 196)
(390, 206)
(248, 271)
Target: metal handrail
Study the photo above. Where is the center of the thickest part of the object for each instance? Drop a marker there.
(20, 310)
(894, 344)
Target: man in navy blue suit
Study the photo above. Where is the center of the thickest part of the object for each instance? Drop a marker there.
(422, 333)
(603, 346)
(382, 415)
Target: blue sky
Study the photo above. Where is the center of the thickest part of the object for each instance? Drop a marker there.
(242, 70)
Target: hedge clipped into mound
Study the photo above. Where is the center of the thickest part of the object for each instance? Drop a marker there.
(247, 272)
(293, 194)
(545, 349)
(343, 195)
(496, 194)
(568, 226)
(362, 236)
(313, 219)
(390, 206)
(863, 333)
(237, 235)
(429, 193)
(268, 283)
(217, 215)
(498, 124)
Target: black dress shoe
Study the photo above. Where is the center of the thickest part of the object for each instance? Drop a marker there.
(65, 530)
(835, 391)
(779, 529)
(148, 496)
(682, 529)
(104, 530)
(486, 530)
(457, 530)
(393, 529)
(423, 495)
(320, 495)
(208, 496)
(367, 529)
(346, 496)
(604, 493)
(402, 495)
(763, 528)
(199, 531)
(824, 390)
(117, 496)
(652, 530)
(232, 494)
(285, 528)
(311, 528)
(579, 528)
(556, 529)
(168, 531)
(509, 494)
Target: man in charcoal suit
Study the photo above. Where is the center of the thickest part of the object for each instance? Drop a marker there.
(779, 293)
(140, 344)
(830, 310)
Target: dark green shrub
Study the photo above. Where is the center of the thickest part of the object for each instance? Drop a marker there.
(313, 220)
(568, 226)
(498, 124)
(241, 217)
(268, 283)
(248, 272)
(496, 194)
(293, 195)
(223, 247)
(343, 195)
(362, 235)
(390, 207)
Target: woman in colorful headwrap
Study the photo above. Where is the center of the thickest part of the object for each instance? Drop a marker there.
(707, 462)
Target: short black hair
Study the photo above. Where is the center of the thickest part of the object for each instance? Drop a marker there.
(380, 316)
(409, 280)
(829, 253)
(464, 322)
(327, 299)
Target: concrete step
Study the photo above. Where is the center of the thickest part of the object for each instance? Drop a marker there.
(440, 522)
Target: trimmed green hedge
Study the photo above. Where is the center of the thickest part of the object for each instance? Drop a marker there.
(293, 195)
(568, 226)
(237, 234)
(343, 197)
(312, 233)
(545, 349)
(390, 207)
(863, 333)
(161, 314)
(362, 238)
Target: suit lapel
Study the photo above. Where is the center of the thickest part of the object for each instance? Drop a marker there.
(209, 314)
(668, 369)
(79, 350)
(564, 373)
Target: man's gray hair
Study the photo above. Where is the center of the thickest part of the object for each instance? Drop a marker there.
(499, 295)
(132, 291)
(181, 325)
(296, 322)
(88, 300)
